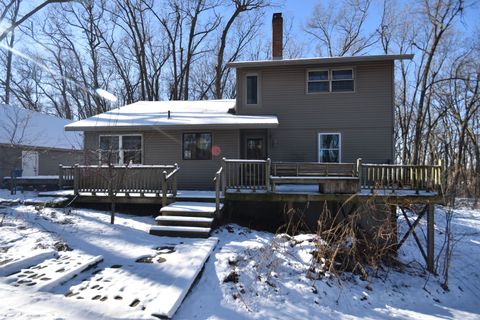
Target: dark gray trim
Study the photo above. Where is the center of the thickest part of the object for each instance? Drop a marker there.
(325, 60)
(172, 127)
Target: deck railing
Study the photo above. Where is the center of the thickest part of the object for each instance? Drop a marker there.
(254, 175)
(246, 174)
(401, 177)
(65, 176)
(141, 179)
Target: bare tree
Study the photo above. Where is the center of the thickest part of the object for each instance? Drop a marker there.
(7, 5)
(339, 28)
(220, 68)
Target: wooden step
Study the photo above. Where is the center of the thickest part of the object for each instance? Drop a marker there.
(184, 221)
(180, 231)
(190, 209)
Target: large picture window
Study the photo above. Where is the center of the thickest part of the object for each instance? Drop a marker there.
(197, 146)
(120, 149)
(332, 80)
(329, 147)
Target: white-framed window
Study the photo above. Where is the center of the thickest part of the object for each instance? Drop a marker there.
(330, 80)
(252, 89)
(120, 149)
(197, 146)
(329, 147)
(318, 81)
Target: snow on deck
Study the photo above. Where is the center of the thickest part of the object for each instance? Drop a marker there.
(34, 178)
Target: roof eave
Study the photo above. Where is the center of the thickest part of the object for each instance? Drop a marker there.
(171, 127)
(312, 61)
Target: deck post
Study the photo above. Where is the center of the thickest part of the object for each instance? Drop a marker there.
(217, 192)
(359, 173)
(164, 188)
(440, 183)
(60, 176)
(430, 238)
(76, 176)
(174, 182)
(13, 182)
(268, 165)
(224, 175)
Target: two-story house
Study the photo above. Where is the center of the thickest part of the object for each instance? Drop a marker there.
(333, 109)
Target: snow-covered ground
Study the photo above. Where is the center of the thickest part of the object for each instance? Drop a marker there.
(249, 275)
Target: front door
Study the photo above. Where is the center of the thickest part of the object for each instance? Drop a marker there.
(255, 147)
(29, 163)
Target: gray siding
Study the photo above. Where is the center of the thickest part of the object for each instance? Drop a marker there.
(10, 158)
(48, 159)
(364, 117)
(165, 147)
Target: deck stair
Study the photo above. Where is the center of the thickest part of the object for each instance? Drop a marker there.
(186, 219)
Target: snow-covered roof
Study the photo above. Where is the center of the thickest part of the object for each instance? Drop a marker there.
(148, 115)
(23, 127)
(318, 60)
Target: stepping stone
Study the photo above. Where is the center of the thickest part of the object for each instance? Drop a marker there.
(54, 272)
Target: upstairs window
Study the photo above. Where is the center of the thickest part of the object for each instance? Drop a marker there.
(318, 81)
(342, 80)
(252, 89)
(197, 146)
(332, 80)
(120, 149)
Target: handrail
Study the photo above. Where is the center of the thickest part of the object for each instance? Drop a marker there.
(173, 172)
(158, 179)
(131, 166)
(245, 161)
(402, 165)
(217, 181)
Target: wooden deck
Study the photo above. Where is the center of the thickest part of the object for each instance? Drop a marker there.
(258, 180)
(264, 181)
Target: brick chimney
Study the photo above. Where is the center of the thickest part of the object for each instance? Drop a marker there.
(277, 36)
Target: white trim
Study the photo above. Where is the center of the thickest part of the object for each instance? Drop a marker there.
(330, 79)
(259, 89)
(120, 146)
(339, 144)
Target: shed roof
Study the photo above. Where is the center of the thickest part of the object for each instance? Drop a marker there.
(19, 126)
(318, 60)
(150, 115)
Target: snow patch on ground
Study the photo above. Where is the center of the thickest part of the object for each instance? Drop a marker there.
(256, 275)
(146, 288)
(28, 197)
(249, 275)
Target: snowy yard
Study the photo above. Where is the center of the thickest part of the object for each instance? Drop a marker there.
(249, 274)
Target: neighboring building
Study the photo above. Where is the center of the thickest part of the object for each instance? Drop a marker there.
(318, 109)
(35, 143)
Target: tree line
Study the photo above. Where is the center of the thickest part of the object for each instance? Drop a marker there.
(56, 55)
